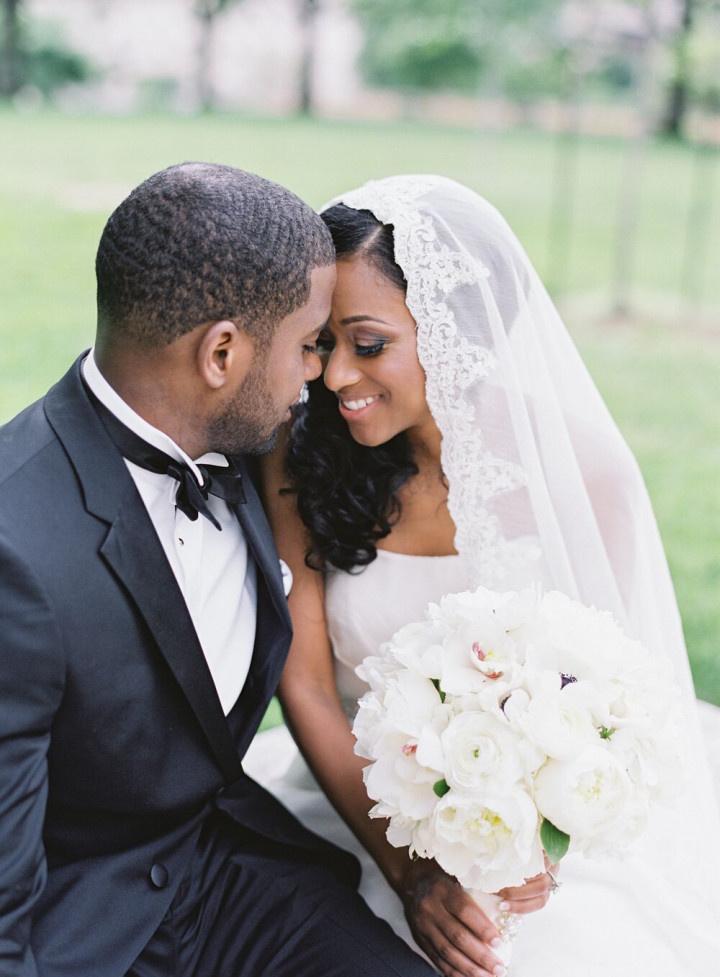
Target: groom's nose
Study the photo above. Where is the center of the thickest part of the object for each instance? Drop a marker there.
(313, 367)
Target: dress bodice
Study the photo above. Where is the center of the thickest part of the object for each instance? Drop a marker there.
(365, 609)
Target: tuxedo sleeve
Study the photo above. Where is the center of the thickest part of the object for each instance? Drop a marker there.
(31, 685)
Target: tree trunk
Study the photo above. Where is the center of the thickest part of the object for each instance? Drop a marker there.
(10, 76)
(206, 10)
(678, 96)
(308, 12)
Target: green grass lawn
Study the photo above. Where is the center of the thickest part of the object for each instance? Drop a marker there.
(60, 177)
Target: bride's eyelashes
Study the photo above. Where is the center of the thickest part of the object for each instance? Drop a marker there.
(326, 344)
(371, 350)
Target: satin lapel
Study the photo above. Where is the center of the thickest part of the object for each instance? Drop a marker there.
(273, 627)
(260, 540)
(133, 551)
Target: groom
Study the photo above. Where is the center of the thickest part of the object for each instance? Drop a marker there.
(143, 624)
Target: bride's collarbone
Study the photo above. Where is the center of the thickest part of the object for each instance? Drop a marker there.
(425, 527)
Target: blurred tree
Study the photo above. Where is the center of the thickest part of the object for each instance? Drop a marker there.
(308, 13)
(421, 44)
(704, 58)
(436, 44)
(33, 55)
(10, 73)
(207, 12)
(680, 82)
(48, 65)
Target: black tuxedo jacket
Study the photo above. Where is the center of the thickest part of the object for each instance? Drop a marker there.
(113, 744)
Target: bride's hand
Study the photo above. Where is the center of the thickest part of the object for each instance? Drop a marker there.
(530, 896)
(447, 923)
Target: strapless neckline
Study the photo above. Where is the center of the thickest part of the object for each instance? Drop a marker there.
(419, 556)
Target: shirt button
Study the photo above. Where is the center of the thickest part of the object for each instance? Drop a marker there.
(159, 875)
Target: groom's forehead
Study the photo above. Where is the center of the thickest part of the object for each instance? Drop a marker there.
(317, 307)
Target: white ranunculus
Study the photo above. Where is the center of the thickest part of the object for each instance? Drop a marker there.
(487, 842)
(481, 751)
(587, 795)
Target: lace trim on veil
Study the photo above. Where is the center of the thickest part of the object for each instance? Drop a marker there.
(453, 366)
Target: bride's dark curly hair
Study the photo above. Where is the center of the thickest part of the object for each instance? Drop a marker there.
(347, 492)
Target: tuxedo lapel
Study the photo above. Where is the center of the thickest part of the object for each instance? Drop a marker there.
(134, 553)
(260, 541)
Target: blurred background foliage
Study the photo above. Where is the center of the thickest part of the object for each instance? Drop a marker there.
(594, 126)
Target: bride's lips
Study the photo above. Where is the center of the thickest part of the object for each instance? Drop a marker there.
(353, 409)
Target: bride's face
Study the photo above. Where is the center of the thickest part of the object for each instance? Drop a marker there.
(373, 366)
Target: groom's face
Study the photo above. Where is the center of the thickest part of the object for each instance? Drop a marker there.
(281, 366)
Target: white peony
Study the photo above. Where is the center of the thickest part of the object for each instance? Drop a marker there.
(487, 842)
(559, 721)
(587, 796)
(418, 646)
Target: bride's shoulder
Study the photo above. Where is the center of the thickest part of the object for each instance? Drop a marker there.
(280, 501)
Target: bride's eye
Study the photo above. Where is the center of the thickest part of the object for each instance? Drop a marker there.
(370, 350)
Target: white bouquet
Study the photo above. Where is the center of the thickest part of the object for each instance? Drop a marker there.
(507, 725)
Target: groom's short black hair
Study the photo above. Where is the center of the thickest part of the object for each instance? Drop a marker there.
(200, 242)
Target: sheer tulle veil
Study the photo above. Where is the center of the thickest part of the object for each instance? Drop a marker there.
(542, 487)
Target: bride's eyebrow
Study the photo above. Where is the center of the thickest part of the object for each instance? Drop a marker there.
(362, 318)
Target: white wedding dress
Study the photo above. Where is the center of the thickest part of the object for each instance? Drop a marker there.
(608, 920)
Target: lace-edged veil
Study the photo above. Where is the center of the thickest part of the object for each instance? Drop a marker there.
(542, 487)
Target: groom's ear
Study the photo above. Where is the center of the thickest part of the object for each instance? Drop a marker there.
(225, 354)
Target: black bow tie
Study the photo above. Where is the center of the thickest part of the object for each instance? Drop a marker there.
(191, 497)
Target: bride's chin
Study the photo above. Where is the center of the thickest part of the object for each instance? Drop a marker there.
(369, 439)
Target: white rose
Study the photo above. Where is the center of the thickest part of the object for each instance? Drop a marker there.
(486, 844)
(481, 750)
(587, 796)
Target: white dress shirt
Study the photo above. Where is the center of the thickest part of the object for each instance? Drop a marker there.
(214, 570)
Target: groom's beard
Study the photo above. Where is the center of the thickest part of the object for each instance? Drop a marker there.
(249, 423)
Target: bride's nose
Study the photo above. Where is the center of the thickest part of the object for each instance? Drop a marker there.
(340, 371)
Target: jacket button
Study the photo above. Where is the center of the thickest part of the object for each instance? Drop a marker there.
(159, 875)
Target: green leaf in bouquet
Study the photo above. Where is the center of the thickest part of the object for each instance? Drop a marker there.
(436, 683)
(606, 732)
(441, 787)
(554, 841)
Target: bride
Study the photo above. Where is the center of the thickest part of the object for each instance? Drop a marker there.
(456, 439)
